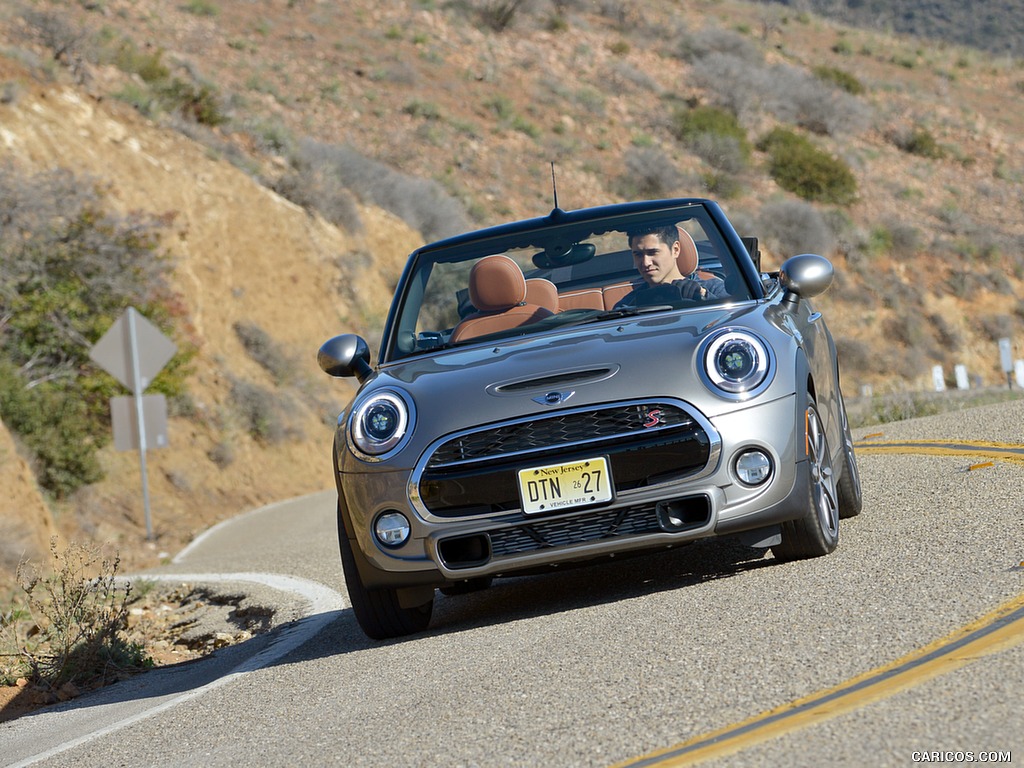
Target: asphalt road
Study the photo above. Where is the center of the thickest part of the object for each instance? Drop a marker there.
(627, 662)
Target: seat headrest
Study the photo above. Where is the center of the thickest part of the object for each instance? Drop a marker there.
(542, 292)
(687, 258)
(496, 283)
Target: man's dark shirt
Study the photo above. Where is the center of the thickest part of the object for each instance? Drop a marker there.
(687, 288)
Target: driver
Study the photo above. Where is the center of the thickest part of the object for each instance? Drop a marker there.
(656, 256)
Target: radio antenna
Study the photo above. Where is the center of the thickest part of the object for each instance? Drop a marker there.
(554, 186)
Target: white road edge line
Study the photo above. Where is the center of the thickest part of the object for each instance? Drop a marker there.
(324, 602)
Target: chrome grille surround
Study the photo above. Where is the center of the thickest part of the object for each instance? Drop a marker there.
(571, 428)
(565, 428)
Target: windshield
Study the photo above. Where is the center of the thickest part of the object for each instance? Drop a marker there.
(557, 275)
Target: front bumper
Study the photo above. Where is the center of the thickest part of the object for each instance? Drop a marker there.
(709, 501)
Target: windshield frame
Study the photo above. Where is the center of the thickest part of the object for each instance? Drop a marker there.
(550, 235)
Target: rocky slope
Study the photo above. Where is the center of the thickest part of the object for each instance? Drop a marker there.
(428, 88)
(242, 254)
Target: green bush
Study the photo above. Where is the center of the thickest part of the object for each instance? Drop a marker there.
(62, 430)
(147, 65)
(920, 142)
(715, 135)
(841, 78)
(160, 91)
(201, 8)
(798, 166)
(67, 272)
(200, 104)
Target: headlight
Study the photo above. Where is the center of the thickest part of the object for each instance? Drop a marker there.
(379, 424)
(738, 363)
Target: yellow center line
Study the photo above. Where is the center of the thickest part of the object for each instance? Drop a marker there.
(996, 631)
(985, 449)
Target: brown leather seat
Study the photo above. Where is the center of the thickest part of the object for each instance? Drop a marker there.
(586, 298)
(688, 257)
(497, 289)
(542, 292)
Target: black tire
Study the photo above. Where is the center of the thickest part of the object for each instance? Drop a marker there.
(851, 499)
(378, 611)
(817, 532)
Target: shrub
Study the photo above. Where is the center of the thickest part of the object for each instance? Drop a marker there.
(715, 135)
(649, 173)
(798, 166)
(421, 203)
(428, 110)
(263, 413)
(839, 77)
(790, 94)
(71, 631)
(67, 272)
(921, 142)
(317, 188)
(201, 8)
(64, 39)
(498, 15)
(792, 227)
(197, 103)
(63, 430)
(147, 65)
(273, 357)
(715, 40)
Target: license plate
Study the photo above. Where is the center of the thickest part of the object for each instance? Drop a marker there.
(563, 486)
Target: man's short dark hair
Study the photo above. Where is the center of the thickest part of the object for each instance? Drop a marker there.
(668, 233)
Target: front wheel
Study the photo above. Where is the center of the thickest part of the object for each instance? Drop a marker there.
(817, 532)
(378, 611)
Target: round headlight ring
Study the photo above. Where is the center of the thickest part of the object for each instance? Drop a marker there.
(737, 362)
(380, 423)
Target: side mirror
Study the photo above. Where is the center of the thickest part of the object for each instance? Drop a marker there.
(805, 276)
(345, 355)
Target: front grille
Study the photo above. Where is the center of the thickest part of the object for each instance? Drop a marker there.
(646, 443)
(564, 429)
(687, 514)
(562, 533)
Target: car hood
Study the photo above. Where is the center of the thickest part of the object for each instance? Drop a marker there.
(651, 355)
(647, 356)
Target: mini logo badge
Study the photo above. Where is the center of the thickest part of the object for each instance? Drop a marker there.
(553, 398)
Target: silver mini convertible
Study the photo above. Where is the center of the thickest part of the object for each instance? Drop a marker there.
(544, 395)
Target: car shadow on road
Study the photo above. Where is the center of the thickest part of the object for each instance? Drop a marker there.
(567, 589)
(591, 584)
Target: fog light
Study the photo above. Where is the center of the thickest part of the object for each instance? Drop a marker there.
(753, 467)
(392, 529)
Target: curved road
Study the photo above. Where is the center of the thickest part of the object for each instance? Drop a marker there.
(908, 639)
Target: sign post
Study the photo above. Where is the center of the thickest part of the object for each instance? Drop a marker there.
(134, 351)
(1006, 357)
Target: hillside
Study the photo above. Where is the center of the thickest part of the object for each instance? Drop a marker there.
(929, 254)
(242, 254)
(995, 27)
